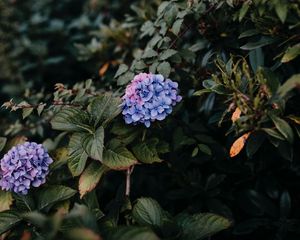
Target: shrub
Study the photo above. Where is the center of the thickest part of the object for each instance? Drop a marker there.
(225, 158)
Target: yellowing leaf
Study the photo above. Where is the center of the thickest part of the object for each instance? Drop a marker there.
(103, 69)
(295, 119)
(236, 115)
(6, 200)
(238, 145)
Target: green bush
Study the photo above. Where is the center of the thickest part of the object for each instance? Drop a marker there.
(226, 158)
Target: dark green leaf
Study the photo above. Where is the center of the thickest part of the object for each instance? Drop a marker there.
(149, 53)
(8, 219)
(71, 120)
(202, 225)
(77, 155)
(148, 212)
(93, 144)
(121, 70)
(133, 233)
(118, 157)
(167, 54)
(285, 204)
(53, 194)
(104, 108)
(283, 127)
(263, 41)
(254, 142)
(146, 151)
(164, 68)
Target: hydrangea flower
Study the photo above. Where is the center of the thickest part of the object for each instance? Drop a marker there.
(149, 97)
(23, 166)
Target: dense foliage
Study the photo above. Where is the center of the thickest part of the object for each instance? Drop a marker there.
(223, 161)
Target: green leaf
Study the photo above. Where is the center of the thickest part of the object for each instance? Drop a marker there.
(71, 120)
(36, 218)
(164, 68)
(254, 142)
(201, 92)
(104, 108)
(118, 157)
(6, 200)
(263, 41)
(53, 194)
(93, 144)
(291, 53)
(177, 26)
(243, 11)
(285, 204)
(133, 233)
(125, 78)
(8, 219)
(167, 54)
(121, 70)
(148, 212)
(273, 133)
(249, 33)
(283, 127)
(170, 14)
(91, 177)
(77, 155)
(202, 225)
(26, 112)
(290, 84)
(149, 53)
(205, 149)
(146, 151)
(256, 59)
(281, 8)
(3, 141)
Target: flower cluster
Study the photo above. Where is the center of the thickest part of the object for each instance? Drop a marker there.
(24, 165)
(149, 97)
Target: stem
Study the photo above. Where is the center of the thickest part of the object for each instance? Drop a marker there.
(128, 174)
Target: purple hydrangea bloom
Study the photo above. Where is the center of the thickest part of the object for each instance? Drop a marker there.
(149, 97)
(23, 166)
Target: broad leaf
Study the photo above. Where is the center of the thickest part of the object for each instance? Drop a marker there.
(8, 219)
(118, 157)
(290, 84)
(93, 144)
(164, 68)
(291, 53)
(147, 211)
(71, 120)
(202, 225)
(146, 151)
(133, 233)
(53, 194)
(91, 177)
(6, 200)
(283, 127)
(104, 108)
(263, 41)
(77, 155)
(167, 54)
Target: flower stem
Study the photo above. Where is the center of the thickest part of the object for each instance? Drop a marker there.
(128, 181)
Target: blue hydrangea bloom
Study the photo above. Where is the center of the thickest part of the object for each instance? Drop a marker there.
(23, 166)
(149, 97)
